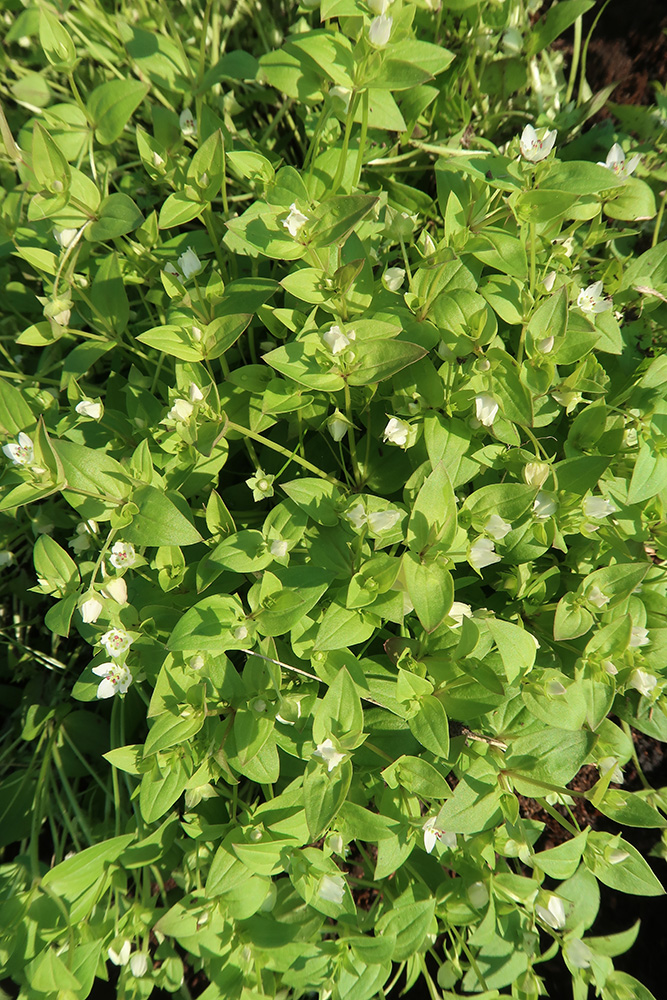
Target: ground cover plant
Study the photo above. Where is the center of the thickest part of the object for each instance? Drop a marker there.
(334, 468)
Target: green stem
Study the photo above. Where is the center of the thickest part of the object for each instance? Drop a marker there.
(350, 434)
(658, 221)
(576, 53)
(342, 159)
(362, 140)
(635, 758)
(268, 443)
(471, 958)
(584, 55)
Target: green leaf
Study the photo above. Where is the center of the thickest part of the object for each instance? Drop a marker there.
(431, 589)
(339, 713)
(408, 921)
(562, 861)
(515, 645)
(15, 414)
(557, 20)
(116, 216)
(177, 209)
(380, 359)
(173, 340)
(50, 166)
(337, 217)
(579, 475)
(317, 497)
(418, 777)
(547, 759)
(72, 877)
(342, 627)
(163, 519)
(619, 865)
(430, 726)
(572, 619)
(630, 809)
(55, 40)
(474, 805)
(433, 517)
(92, 473)
(168, 730)
(108, 294)
(207, 626)
(111, 105)
(323, 795)
(159, 788)
(650, 474)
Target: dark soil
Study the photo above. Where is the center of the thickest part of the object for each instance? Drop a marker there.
(628, 48)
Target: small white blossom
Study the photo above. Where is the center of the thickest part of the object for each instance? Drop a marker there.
(483, 553)
(139, 964)
(546, 346)
(187, 122)
(82, 540)
(393, 278)
(189, 263)
(549, 280)
(343, 94)
(336, 340)
(379, 7)
(170, 268)
(379, 31)
(592, 300)
(116, 641)
(195, 393)
(240, 633)
(181, 410)
(639, 636)
(295, 221)
(65, 237)
(616, 162)
(431, 834)
(616, 856)
(643, 682)
(196, 662)
(555, 689)
(608, 764)
(397, 432)
(6, 558)
(478, 894)
(328, 753)
(122, 956)
(458, 612)
(533, 148)
(88, 408)
(535, 473)
(553, 914)
(90, 609)
(22, 452)
(598, 507)
(337, 426)
(158, 161)
(116, 589)
(261, 485)
(597, 597)
(278, 548)
(578, 954)
(544, 506)
(497, 527)
(609, 667)
(332, 888)
(122, 554)
(116, 679)
(486, 409)
(336, 844)
(357, 515)
(383, 520)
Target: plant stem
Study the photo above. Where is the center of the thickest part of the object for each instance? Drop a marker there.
(350, 434)
(576, 53)
(268, 443)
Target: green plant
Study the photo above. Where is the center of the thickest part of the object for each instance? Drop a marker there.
(363, 478)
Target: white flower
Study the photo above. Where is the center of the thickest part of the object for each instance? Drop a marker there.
(189, 263)
(60, 313)
(337, 426)
(65, 237)
(549, 280)
(379, 7)
(336, 340)
(497, 527)
(116, 589)
(278, 548)
(598, 507)
(617, 164)
(336, 844)
(393, 278)
(116, 679)
(458, 612)
(486, 409)
(578, 954)
(535, 473)
(328, 753)
(82, 541)
(379, 31)
(20, 453)
(122, 554)
(90, 609)
(122, 956)
(6, 558)
(295, 221)
(609, 667)
(534, 149)
(546, 346)
(332, 888)
(482, 553)
(608, 764)
(544, 506)
(261, 485)
(197, 662)
(592, 300)
(639, 636)
(616, 856)
(187, 122)
(342, 94)
(88, 408)
(383, 520)
(240, 633)
(597, 597)
(357, 515)
(139, 964)
(195, 393)
(396, 432)
(116, 641)
(431, 834)
(181, 410)
(567, 398)
(158, 161)
(643, 682)
(170, 268)
(553, 914)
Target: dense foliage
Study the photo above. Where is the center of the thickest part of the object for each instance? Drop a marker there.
(335, 466)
